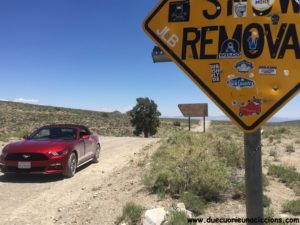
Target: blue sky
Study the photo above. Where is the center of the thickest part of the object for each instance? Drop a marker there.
(90, 54)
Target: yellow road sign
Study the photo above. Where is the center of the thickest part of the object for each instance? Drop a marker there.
(243, 54)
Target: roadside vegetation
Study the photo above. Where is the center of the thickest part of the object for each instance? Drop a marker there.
(18, 119)
(177, 218)
(286, 175)
(131, 214)
(292, 207)
(196, 168)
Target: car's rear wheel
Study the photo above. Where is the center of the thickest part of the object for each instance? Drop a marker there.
(71, 167)
(97, 154)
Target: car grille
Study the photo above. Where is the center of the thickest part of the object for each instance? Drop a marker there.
(17, 170)
(26, 157)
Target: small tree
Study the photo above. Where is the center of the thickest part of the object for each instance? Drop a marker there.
(145, 117)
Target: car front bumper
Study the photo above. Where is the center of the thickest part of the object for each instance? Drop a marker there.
(51, 166)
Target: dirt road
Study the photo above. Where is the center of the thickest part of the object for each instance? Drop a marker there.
(39, 199)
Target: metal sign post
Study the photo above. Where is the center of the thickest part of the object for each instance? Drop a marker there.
(253, 176)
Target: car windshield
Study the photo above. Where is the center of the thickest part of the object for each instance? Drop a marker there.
(55, 133)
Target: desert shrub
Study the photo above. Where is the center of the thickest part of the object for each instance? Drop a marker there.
(292, 207)
(105, 115)
(132, 214)
(273, 153)
(290, 148)
(265, 180)
(275, 133)
(271, 138)
(188, 162)
(230, 150)
(287, 175)
(176, 123)
(177, 218)
(239, 191)
(193, 203)
(266, 201)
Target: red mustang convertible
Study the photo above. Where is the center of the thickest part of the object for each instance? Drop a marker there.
(51, 149)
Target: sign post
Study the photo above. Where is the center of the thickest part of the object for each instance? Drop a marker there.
(253, 176)
(204, 124)
(243, 54)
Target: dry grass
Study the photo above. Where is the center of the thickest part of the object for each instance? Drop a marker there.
(17, 119)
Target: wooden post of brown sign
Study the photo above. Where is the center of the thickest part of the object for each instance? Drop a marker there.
(204, 124)
(253, 177)
(189, 123)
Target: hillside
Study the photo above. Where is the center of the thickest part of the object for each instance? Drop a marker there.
(17, 118)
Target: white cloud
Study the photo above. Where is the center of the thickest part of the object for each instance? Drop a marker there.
(2, 99)
(29, 101)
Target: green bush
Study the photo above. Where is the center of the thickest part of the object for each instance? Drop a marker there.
(193, 203)
(287, 175)
(290, 148)
(230, 150)
(176, 123)
(292, 207)
(266, 201)
(177, 218)
(188, 162)
(239, 191)
(273, 153)
(132, 214)
(266, 181)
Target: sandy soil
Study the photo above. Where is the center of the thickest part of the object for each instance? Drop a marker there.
(51, 199)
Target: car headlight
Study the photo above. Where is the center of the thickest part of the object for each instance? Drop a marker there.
(59, 153)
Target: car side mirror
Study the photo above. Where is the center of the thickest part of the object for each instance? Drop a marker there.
(85, 137)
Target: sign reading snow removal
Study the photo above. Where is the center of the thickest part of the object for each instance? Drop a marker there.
(245, 55)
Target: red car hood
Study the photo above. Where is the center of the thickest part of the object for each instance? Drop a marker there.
(40, 146)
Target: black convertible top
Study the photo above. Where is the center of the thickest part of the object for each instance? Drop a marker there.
(66, 125)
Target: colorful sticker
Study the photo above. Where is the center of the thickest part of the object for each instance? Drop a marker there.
(267, 70)
(240, 83)
(215, 72)
(179, 11)
(252, 40)
(262, 5)
(286, 73)
(252, 107)
(240, 9)
(230, 49)
(244, 66)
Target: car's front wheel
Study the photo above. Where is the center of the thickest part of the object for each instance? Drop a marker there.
(71, 166)
(97, 154)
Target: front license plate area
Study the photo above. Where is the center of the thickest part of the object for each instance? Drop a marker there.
(24, 165)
